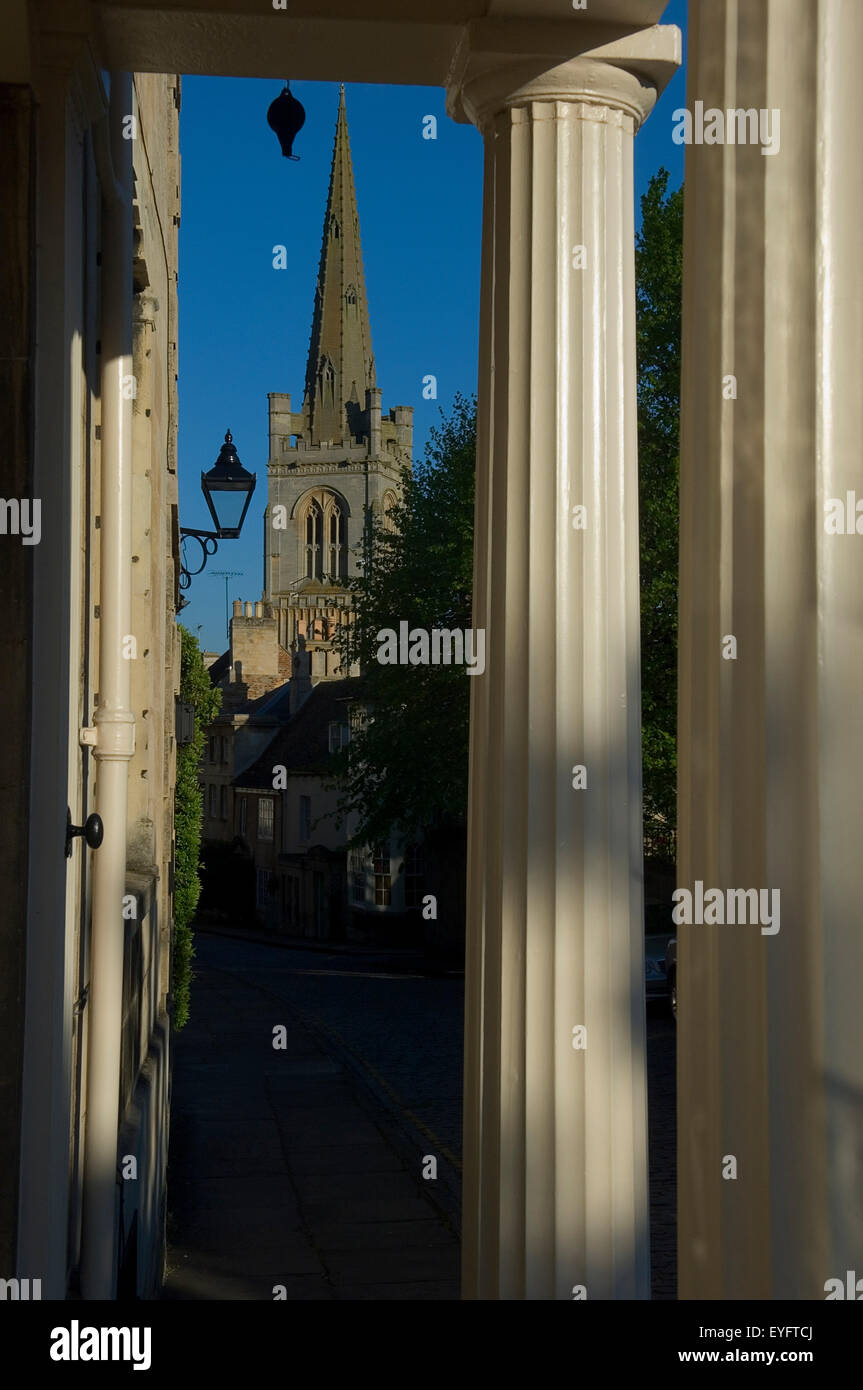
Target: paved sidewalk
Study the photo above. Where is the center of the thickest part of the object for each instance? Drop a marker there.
(279, 1174)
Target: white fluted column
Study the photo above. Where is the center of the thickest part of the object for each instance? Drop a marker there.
(770, 1055)
(555, 1192)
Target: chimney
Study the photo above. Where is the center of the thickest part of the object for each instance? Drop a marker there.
(255, 648)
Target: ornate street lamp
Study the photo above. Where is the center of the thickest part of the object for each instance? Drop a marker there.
(286, 116)
(228, 489)
(228, 477)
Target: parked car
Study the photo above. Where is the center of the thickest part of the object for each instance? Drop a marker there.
(671, 974)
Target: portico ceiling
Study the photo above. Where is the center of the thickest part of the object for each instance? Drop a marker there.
(403, 41)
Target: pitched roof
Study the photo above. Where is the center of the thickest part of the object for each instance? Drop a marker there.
(273, 703)
(303, 745)
(220, 667)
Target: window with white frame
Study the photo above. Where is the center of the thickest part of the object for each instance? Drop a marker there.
(383, 879)
(340, 734)
(265, 818)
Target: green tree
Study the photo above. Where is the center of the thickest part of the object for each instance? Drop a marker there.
(659, 276)
(195, 690)
(405, 771)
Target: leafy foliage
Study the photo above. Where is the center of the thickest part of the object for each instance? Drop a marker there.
(659, 278)
(195, 690)
(405, 770)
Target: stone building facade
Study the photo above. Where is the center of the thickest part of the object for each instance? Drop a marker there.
(89, 349)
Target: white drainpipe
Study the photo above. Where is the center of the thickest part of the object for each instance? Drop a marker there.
(113, 735)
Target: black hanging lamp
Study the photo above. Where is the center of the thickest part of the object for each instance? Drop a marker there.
(228, 489)
(286, 117)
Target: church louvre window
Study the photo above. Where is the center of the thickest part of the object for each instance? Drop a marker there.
(314, 527)
(324, 538)
(335, 540)
(351, 296)
(327, 377)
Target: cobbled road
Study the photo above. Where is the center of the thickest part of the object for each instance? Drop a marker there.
(398, 1033)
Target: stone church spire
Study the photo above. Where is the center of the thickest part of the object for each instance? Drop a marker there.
(341, 365)
(339, 460)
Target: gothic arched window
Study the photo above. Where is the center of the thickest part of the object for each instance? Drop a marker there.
(323, 533)
(314, 539)
(335, 540)
(387, 504)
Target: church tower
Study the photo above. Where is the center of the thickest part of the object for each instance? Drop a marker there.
(338, 460)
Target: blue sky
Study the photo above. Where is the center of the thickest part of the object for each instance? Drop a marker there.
(244, 327)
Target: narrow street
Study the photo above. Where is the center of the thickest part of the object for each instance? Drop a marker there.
(301, 1167)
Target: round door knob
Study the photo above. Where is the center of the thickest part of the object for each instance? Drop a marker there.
(94, 830)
